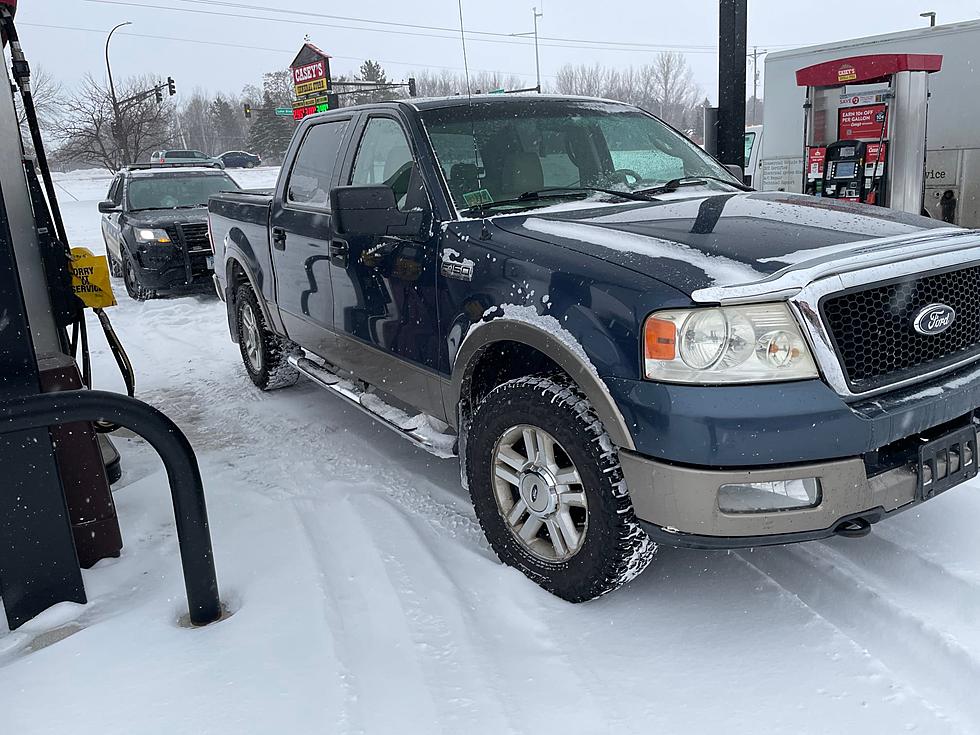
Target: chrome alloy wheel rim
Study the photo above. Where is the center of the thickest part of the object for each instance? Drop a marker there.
(250, 333)
(539, 493)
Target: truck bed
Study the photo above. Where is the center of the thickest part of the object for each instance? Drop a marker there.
(240, 219)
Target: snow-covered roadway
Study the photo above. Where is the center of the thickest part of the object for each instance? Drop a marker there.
(365, 600)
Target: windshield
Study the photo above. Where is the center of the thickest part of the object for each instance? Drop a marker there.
(176, 190)
(497, 151)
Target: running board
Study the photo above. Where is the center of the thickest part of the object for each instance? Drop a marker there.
(419, 430)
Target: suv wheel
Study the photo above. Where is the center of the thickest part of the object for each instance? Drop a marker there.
(265, 354)
(549, 492)
(131, 278)
(115, 267)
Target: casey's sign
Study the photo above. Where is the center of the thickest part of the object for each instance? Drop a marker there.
(309, 72)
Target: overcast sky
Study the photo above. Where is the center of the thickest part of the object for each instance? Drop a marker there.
(183, 38)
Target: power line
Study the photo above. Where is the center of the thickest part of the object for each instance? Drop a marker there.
(250, 47)
(510, 40)
(285, 11)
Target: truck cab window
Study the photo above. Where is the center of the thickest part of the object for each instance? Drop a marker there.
(312, 175)
(384, 157)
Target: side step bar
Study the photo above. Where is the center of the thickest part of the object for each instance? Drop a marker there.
(419, 429)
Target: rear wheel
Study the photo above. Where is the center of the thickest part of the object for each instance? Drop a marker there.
(548, 489)
(265, 354)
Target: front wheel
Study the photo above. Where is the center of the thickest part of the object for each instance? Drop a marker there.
(134, 287)
(265, 354)
(549, 492)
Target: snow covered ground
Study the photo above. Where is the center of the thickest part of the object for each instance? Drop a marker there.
(365, 599)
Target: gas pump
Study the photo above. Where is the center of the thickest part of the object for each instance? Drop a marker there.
(865, 128)
(844, 171)
(56, 509)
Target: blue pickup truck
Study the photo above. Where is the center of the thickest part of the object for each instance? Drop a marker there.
(623, 345)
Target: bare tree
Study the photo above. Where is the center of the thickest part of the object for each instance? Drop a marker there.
(85, 126)
(47, 92)
(447, 83)
(666, 87)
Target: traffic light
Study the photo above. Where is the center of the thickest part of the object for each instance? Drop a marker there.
(159, 94)
(171, 86)
(247, 108)
(413, 90)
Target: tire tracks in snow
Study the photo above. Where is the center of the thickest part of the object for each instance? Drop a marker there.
(924, 660)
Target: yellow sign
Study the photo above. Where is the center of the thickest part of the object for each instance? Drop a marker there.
(846, 73)
(311, 101)
(90, 279)
(317, 85)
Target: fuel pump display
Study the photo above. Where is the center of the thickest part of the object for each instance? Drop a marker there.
(844, 171)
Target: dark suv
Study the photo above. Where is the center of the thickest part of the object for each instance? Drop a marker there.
(155, 226)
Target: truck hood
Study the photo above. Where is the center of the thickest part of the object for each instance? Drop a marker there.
(703, 241)
(162, 218)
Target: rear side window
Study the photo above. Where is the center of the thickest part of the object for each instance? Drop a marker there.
(115, 191)
(312, 174)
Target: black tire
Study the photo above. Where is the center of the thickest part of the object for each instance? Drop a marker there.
(136, 290)
(613, 549)
(267, 365)
(115, 267)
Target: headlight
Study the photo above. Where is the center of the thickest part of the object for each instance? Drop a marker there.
(731, 344)
(152, 236)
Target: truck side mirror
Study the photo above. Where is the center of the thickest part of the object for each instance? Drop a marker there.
(108, 207)
(373, 211)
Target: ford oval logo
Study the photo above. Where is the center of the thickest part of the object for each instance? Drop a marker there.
(933, 319)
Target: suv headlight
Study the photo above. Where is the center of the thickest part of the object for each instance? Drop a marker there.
(756, 343)
(144, 235)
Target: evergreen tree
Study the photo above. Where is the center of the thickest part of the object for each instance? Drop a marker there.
(372, 71)
(269, 135)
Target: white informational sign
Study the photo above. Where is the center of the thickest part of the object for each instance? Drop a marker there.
(782, 174)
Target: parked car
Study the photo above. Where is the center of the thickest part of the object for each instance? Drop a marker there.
(188, 157)
(155, 226)
(622, 343)
(240, 159)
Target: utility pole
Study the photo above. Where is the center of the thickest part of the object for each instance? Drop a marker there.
(117, 130)
(537, 59)
(755, 81)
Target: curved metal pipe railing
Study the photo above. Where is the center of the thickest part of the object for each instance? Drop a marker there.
(190, 511)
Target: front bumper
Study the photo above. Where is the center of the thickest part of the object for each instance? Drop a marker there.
(679, 505)
(172, 266)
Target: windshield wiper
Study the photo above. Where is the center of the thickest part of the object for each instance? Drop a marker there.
(675, 184)
(560, 192)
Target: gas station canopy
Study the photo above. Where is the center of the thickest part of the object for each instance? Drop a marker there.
(865, 69)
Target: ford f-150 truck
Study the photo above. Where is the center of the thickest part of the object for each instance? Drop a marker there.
(622, 343)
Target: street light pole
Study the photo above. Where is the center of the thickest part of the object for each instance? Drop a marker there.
(117, 127)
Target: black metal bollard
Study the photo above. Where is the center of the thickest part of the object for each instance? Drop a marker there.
(190, 511)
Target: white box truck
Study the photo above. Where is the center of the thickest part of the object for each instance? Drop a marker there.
(952, 168)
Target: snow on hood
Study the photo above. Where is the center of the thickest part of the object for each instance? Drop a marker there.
(717, 268)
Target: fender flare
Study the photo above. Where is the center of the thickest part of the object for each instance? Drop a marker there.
(581, 371)
(242, 254)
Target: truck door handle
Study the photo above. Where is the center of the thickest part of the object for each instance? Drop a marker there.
(338, 252)
(278, 238)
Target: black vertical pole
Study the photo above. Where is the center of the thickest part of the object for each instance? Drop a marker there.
(732, 52)
(333, 99)
(38, 565)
